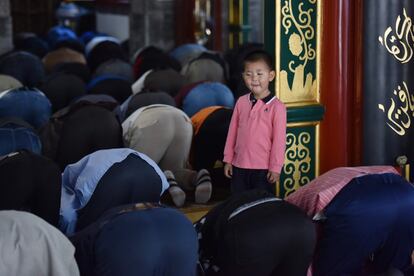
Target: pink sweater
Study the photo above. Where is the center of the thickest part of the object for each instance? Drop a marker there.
(257, 136)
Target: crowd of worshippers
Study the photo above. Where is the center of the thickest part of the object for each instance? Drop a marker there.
(97, 150)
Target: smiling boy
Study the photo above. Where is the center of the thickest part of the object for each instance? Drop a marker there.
(255, 145)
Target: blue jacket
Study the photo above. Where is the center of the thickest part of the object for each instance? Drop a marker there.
(79, 181)
(369, 226)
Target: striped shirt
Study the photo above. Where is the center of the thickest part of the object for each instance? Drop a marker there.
(257, 134)
(316, 195)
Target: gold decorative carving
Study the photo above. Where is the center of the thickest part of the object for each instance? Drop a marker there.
(299, 41)
(400, 42)
(303, 88)
(400, 111)
(297, 161)
(295, 44)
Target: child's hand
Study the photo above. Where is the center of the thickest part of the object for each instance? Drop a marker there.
(272, 177)
(228, 170)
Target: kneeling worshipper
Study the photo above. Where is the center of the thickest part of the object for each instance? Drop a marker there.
(139, 100)
(115, 67)
(208, 66)
(114, 86)
(204, 95)
(61, 89)
(63, 37)
(166, 80)
(106, 179)
(16, 134)
(31, 246)
(364, 219)
(80, 129)
(211, 125)
(101, 49)
(8, 82)
(138, 239)
(60, 56)
(25, 67)
(164, 133)
(255, 233)
(152, 58)
(101, 100)
(185, 53)
(30, 42)
(32, 183)
(27, 104)
(73, 68)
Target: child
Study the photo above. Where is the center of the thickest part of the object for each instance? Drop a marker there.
(255, 146)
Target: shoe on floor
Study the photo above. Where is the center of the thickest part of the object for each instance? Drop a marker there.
(204, 188)
(176, 193)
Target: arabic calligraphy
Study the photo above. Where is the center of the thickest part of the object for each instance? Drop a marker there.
(400, 110)
(400, 42)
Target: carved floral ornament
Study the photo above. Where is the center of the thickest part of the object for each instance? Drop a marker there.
(300, 31)
(299, 43)
(297, 161)
(298, 83)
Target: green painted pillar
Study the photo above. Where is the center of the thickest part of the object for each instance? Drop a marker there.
(239, 27)
(292, 35)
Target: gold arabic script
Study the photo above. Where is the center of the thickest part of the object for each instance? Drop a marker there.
(400, 111)
(400, 42)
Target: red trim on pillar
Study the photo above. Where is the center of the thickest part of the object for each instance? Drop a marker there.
(217, 25)
(356, 99)
(334, 85)
(110, 2)
(341, 84)
(333, 132)
(184, 22)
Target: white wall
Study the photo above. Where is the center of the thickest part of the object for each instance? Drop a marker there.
(6, 31)
(116, 25)
(256, 20)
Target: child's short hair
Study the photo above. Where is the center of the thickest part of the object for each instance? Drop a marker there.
(258, 55)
